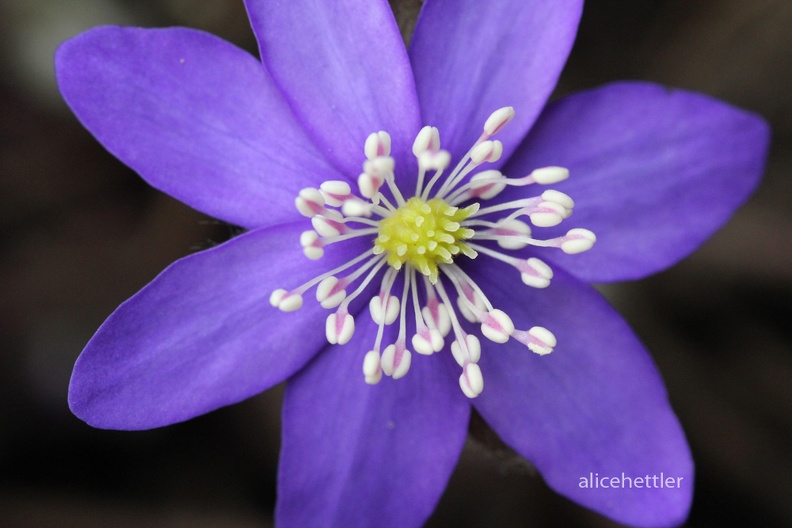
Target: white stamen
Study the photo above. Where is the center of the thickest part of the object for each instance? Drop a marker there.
(371, 367)
(549, 175)
(312, 245)
(286, 301)
(395, 361)
(547, 214)
(471, 381)
(377, 145)
(490, 151)
(498, 119)
(310, 202)
(470, 353)
(330, 293)
(535, 273)
(497, 326)
(335, 192)
(339, 327)
(428, 139)
(391, 310)
(511, 228)
(577, 241)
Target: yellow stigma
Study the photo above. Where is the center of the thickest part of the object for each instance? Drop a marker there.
(425, 234)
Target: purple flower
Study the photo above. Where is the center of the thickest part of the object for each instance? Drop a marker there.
(654, 172)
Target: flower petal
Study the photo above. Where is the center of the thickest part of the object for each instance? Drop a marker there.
(195, 116)
(201, 335)
(357, 455)
(487, 56)
(344, 69)
(595, 406)
(654, 172)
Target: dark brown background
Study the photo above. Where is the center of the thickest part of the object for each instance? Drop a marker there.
(80, 233)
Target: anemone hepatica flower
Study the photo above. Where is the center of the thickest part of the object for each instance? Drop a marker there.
(446, 255)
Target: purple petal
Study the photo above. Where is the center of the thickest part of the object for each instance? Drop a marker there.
(195, 116)
(357, 455)
(654, 172)
(595, 406)
(471, 58)
(344, 69)
(202, 334)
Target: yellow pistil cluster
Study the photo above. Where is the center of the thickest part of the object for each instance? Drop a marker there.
(425, 234)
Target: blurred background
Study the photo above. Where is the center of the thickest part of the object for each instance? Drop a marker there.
(79, 233)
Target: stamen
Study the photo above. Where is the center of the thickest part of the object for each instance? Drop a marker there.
(423, 235)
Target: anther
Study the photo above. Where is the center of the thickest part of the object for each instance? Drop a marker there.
(490, 151)
(312, 245)
(535, 273)
(377, 145)
(335, 192)
(509, 229)
(339, 327)
(396, 360)
(330, 292)
(371, 367)
(391, 309)
(310, 202)
(547, 214)
(286, 301)
(549, 175)
(428, 139)
(577, 241)
(486, 189)
(471, 381)
(497, 120)
(469, 353)
(497, 326)
(327, 227)
(538, 339)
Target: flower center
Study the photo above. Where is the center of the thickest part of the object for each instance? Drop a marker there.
(424, 234)
(419, 238)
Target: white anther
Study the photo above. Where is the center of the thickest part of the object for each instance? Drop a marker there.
(548, 175)
(356, 207)
(393, 365)
(328, 294)
(510, 229)
(443, 321)
(487, 190)
(391, 311)
(486, 151)
(542, 341)
(551, 214)
(310, 202)
(535, 273)
(471, 355)
(369, 185)
(339, 328)
(428, 341)
(497, 326)
(379, 166)
(312, 246)
(431, 160)
(327, 227)
(562, 199)
(471, 381)
(498, 119)
(335, 192)
(371, 367)
(378, 144)
(577, 241)
(428, 139)
(465, 310)
(285, 301)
